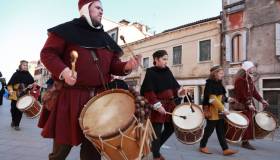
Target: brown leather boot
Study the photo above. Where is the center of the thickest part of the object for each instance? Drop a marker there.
(228, 152)
(247, 145)
(205, 150)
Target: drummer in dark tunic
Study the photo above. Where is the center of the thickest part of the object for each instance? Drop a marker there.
(86, 36)
(19, 81)
(213, 104)
(161, 89)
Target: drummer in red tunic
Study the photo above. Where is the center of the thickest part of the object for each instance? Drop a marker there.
(244, 91)
(161, 89)
(86, 36)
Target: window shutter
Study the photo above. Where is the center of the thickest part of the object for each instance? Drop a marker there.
(228, 48)
(277, 40)
(244, 46)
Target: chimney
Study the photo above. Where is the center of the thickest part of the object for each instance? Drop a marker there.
(124, 22)
(140, 27)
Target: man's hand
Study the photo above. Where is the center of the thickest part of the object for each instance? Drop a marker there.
(161, 110)
(252, 108)
(68, 76)
(265, 103)
(133, 63)
(31, 85)
(226, 112)
(182, 92)
(231, 100)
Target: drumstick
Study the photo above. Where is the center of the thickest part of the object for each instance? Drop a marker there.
(184, 117)
(74, 57)
(189, 102)
(143, 140)
(152, 128)
(130, 51)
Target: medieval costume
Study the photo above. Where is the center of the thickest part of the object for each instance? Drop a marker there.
(19, 80)
(245, 91)
(160, 89)
(61, 123)
(213, 99)
(2, 88)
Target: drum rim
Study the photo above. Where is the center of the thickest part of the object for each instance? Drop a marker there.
(86, 106)
(33, 100)
(194, 129)
(270, 114)
(238, 125)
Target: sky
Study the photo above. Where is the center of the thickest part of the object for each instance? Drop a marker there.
(24, 23)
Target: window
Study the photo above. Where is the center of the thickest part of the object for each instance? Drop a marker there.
(273, 97)
(38, 71)
(45, 72)
(190, 94)
(205, 50)
(236, 44)
(177, 55)
(233, 6)
(113, 35)
(232, 1)
(271, 93)
(237, 48)
(271, 83)
(201, 94)
(146, 62)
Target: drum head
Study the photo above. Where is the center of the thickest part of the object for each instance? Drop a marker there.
(193, 120)
(108, 112)
(24, 102)
(266, 121)
(237, 118)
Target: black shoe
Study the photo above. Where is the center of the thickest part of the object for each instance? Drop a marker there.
(247, 145)
(12, 124)
(17, 128)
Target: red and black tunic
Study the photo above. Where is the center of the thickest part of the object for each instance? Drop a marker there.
(159, 85)
(62, 122)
